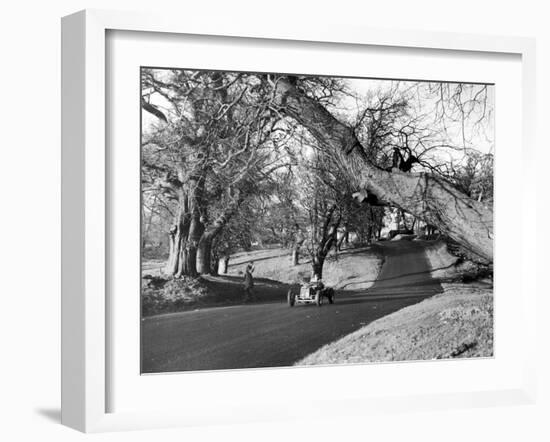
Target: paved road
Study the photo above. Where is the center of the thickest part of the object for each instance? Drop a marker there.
(273, 334)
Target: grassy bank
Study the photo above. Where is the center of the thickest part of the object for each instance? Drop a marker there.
(456, 323)
(449, 268)
(274, 274)
(160, 295)
(350, 269)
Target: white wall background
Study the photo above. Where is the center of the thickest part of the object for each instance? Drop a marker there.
(30, 220)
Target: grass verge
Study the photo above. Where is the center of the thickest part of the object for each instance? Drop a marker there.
(274, 274)
(350, 269)
(160, 295)
(457, 323)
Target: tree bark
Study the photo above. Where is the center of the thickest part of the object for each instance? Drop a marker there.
(214, 269)
(295, 257)
(196, 230)
(317, 264)
(204, 254)
(178, 238)
(188, 227)
(423, 195)
(326, 241)
(198, 205)
(369, 233)
(344, 239)
(204, 251)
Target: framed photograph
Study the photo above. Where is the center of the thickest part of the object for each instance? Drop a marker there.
(264, 222)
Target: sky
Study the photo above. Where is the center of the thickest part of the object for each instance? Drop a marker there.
(479, 136)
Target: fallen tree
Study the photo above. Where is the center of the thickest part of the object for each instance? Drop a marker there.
(428, 197)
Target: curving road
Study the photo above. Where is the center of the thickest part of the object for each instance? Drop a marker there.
(272, 334)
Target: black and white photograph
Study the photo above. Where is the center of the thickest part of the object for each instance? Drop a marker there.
(299, 220)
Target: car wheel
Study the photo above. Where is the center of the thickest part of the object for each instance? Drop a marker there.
(290, 298)
(318, 299)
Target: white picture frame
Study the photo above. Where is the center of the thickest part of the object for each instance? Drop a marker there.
(85, 312)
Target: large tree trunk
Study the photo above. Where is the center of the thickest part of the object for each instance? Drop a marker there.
(318, 259)
(369, 233)
(327, 240)
(204, 251)
(317, 264)
(344, 239)
(178, 238)
(423, 195)
(188, 227)
(215, 262)
(204, 254)
(295, 256)
(196, 230)
(197, 207)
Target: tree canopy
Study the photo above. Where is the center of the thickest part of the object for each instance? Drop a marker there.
(230, 159)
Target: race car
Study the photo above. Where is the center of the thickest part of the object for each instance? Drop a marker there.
(310, 293)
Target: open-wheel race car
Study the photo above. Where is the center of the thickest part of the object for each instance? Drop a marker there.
(310, 293)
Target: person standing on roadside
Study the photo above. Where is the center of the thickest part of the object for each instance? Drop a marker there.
(249, 282)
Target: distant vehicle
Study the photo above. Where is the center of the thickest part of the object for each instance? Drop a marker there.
(393, 233)
(310, 293)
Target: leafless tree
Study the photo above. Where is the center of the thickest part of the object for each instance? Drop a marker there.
(427, 196)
